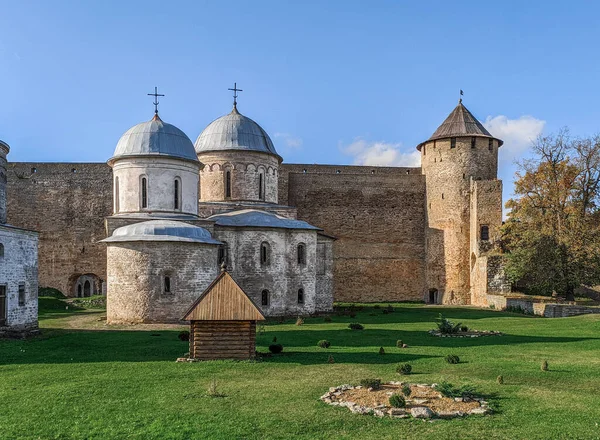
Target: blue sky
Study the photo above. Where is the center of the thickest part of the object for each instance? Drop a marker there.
(332, 82)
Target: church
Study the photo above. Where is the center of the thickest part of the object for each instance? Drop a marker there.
(152, 227)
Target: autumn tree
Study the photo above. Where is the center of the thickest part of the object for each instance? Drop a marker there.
(553, 232)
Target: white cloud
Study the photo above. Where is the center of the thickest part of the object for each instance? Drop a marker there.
(290, 141)
(381, 154)
(517, 134)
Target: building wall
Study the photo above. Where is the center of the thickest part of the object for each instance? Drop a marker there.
(282, 276)
(135, 291)
(324, 287)
(3, 152)
(378, 218)
(245, 168)
(19, 266)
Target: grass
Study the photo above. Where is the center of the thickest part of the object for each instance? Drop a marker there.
(83, 379)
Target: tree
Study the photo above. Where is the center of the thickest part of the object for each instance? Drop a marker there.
(553, 232)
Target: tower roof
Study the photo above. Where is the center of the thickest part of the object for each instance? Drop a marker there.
(234, 131)
(460, 122)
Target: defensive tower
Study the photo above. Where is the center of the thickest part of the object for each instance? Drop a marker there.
(4, 149)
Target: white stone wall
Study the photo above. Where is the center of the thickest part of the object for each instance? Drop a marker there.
(324, 274)
(19, 265)
(136, 271)
(161, 173)
(282, 276)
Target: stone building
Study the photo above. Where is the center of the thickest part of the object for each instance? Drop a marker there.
(401, 233)
(18, 269)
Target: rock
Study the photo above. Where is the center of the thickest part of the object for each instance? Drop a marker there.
(420, 401)
(421, 412)
(478, 411)
(370, 389)
(327, 400)
(458, 399)
(401, 416)
(446, 414)
(396, 411)
(358, 387)
(379, 413)
(404, 346)
(181, 360)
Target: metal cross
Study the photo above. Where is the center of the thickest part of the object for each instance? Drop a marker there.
(156, 95)
(235, 90)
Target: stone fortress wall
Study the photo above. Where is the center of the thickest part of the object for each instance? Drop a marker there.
(377, 215)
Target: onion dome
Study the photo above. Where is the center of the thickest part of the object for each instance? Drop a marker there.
(255, 218)
(234, 132)
(460, 123)
(155, 138)
(4, 147)
(161, 230)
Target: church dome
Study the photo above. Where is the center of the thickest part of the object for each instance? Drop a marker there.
(234, 132)
(155, 138)
(162, 230)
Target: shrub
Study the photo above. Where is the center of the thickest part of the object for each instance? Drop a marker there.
(389, 308)
(355, 326)
(452, 359)
(184, 335)
(327, 319)
(544, 366)
(381, 350)
(299, 321)
(399, 343)
(464, 328)
(500, 380)
(404, 369)
(352, 315)
(330, 359)
(445, 326)
(386, 311)
(324, 343)
(397, 401)
(406, 390)
(275, 348)
(212, 390)
(51, 292)
(467, 392)
(371, 383)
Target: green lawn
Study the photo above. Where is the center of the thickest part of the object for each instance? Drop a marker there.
(83, 379)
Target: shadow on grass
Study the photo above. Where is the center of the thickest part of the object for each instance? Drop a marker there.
(360, 357)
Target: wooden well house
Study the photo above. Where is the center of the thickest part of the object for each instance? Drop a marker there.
(223, 322)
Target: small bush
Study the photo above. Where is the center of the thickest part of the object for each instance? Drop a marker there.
(355, 326)
(213, 390)
(399, 343)
(544, 366)
(299, 321)
(324, 343)
(381, 350)
(397, 401)
(275, 348)
(406, 390)
(452, 359)
(389, 308)
(404, 369)
(371, 383)
(464, 328)
(445, 326)
(467, 392)
(385, 311)
(500, 380)
(184, 335)
(327, 319)
(50, 292)
(330, 360)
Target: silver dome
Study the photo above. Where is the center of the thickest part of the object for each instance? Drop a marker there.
(255, 218)
(155, 137)
(162, 230)
(234, 132)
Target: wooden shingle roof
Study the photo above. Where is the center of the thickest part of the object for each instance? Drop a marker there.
(460, 122)
(224, 300)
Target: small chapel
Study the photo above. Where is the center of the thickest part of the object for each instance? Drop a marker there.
(164, 247)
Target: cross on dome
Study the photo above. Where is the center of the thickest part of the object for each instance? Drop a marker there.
(156, 95)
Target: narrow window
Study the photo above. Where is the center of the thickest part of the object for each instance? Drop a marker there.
(264, 298)
(300, 296)
(261, 192)
(264, 254)
(490, 144)
(3, 305)
(473, 139)
(484, 233)
(223, 254)
(1, 250)
(167, 283)
(228, 184)
(21, 294)
(442, 196)
(176, 194)
(452, 142)
(301, 254)
(144, 192)
(116, 195)
(424, 150)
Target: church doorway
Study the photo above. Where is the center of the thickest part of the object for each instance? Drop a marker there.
(87, 289)
(433, 296)
(78, 290)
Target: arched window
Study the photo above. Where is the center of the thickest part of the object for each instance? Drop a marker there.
(144, 192)
(1, 250)
(484, 233)
(177, 193)
(300, 296)
(301, 254)
(264, 253)
(264, 298)
(167, 284)
(261, 190)
(228, 184)
(116, 195)
(222, 258)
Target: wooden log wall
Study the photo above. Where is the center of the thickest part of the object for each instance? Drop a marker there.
(210, 340)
